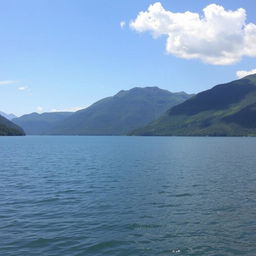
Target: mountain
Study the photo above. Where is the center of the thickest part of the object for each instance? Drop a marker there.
(39, 124)
(225, 110)
(8, 128)
(121, 113)
(7, 116)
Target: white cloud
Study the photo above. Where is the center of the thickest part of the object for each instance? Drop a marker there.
(122, 24)
(6, 82)
(73, 109)
(243, 73)
(23, 88)
(218, 37)
(40, 109)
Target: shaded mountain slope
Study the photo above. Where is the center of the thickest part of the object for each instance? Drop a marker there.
(8, 128)
(7, 116)
(121, 113)
(39, 124)
(225, 110)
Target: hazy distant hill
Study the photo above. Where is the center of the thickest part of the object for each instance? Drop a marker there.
(121, 113)
(38, 124)
(7, 128)
(7, 116)
(225, 110)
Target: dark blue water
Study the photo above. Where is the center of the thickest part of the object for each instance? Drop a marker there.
(127, 196)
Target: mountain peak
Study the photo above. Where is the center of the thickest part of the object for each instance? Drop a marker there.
(121, 113)
(7, 116)
(139, 90)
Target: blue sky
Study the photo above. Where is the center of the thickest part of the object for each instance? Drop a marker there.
(62, 54)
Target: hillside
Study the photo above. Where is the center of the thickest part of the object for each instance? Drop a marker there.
(7, 128)
(117, 115)
(39, 124)
(225, 110)
(7, 116)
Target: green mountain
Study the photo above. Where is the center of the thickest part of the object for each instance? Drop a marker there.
(39, 124)
(225, 110)
(8, 128)
(118, 115)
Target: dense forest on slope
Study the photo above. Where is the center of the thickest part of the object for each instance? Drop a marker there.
(7, 128)
(121, 113)
(225, 110)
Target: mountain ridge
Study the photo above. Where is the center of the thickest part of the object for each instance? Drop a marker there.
(8, 128)
(118, 114)
(39, 124)
(219, 111)
(8, 116)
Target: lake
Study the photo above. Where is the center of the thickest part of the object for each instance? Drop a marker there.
(118, 196)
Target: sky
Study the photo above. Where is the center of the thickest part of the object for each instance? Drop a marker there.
(59, 55)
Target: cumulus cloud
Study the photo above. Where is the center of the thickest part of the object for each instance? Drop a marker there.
(73, 109)
(218, 37)
(6, 82)
(122, 24)
(243, 73)
(23, 88)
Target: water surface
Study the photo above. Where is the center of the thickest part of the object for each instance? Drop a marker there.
(121, 196)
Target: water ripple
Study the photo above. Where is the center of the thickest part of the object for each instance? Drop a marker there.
(118, 196)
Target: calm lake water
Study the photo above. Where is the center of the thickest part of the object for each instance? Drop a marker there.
(127, 196)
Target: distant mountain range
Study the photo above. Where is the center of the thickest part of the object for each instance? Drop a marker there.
(7, 116)
(116, 115)
(8, 128)
(39, 124)
(225, 110)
